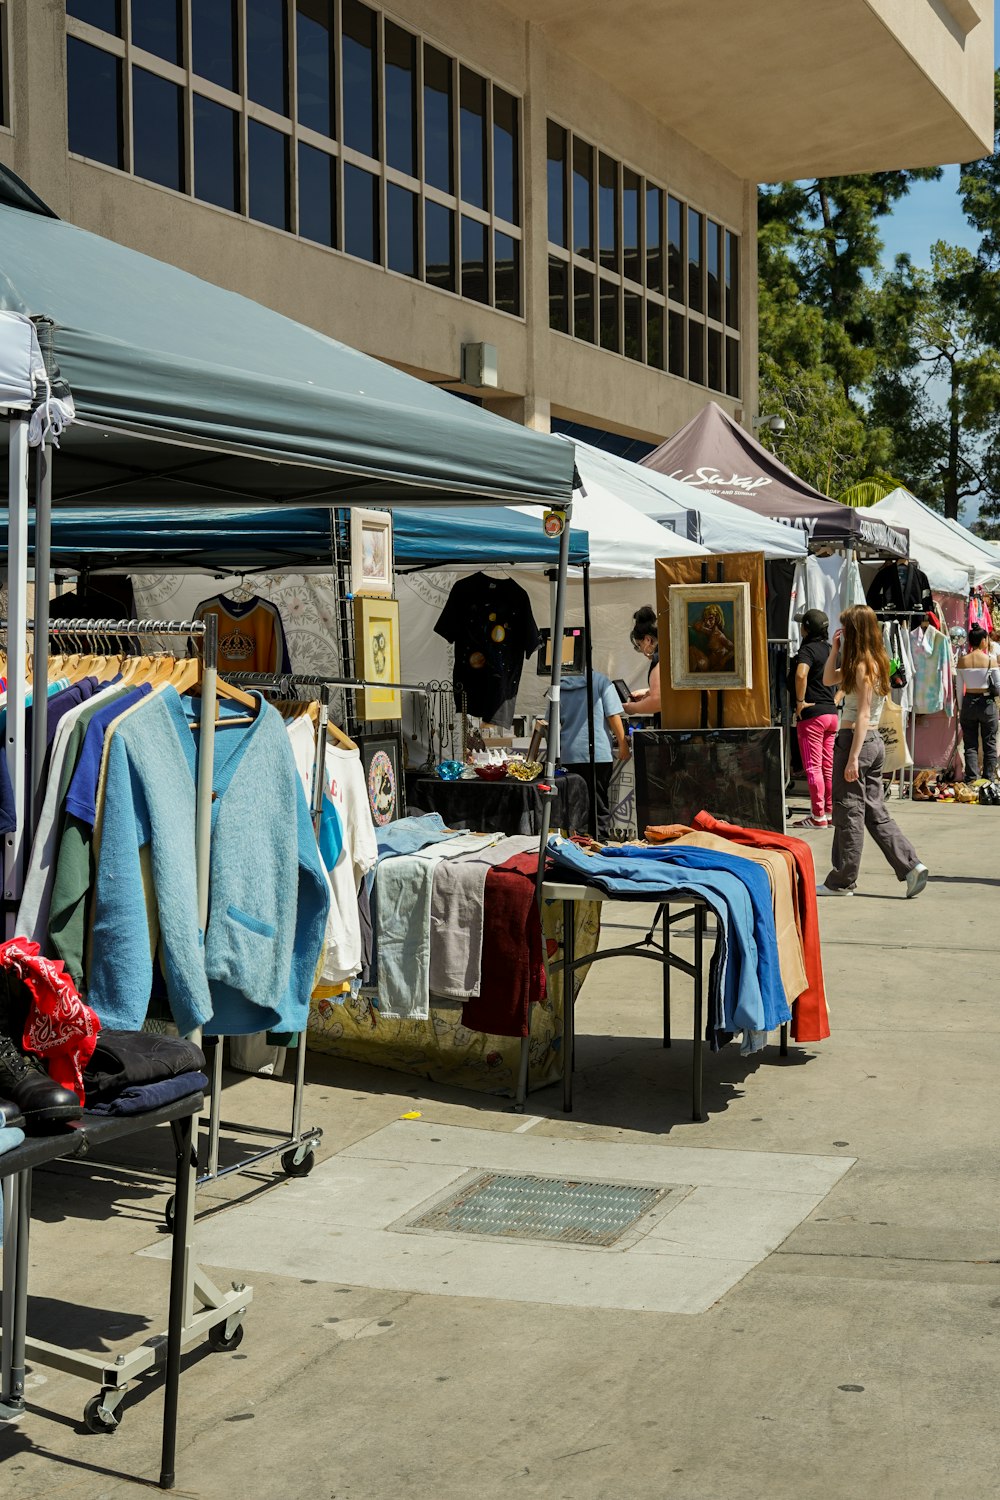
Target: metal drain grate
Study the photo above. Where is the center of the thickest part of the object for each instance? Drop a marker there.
(542, 1208)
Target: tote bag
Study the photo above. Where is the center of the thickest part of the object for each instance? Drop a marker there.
(892, 728)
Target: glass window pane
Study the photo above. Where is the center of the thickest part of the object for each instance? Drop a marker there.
(715, 359)
(401, 230)
(156, 27)
(268, 172)
(475, 272)
(557, 184)
(361, 215)
(472, 137)
(583, 305)
(677, 352)
(732, 279)
(732, 367)
(439, 231)
(317, 195)
(94, 102)
(103, 13)
(714, 265)
(157, 129)
(696, 295)
(696, 352)
(654, 335)
(506, 171)
(438, 169)
(675, 249)
(360, 80)
(314, 59)
(607, 212)
(633, 326)
(583, 208)
(216, 154)
(610, 331)
(507, 273)
(558, 294)
(213, 41)
(654, 238)
(630, 226)
(400, 99)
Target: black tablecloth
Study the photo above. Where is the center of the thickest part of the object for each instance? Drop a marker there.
(507, 806)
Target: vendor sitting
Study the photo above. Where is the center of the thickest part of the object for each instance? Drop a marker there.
(610, 741)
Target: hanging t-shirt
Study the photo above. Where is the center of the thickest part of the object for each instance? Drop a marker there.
(490, 624)
(348, 792)
(251, 635)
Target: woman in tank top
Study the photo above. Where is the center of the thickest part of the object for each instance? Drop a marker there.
(979, 682)
(858, 663)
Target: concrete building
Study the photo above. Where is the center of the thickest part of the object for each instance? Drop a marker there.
(570, 183)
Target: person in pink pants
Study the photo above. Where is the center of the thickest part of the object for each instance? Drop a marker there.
(816, 717)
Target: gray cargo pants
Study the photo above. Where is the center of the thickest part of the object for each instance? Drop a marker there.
(858, 805)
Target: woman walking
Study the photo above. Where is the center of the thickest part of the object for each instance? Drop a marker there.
(858, 663)
(816, 717)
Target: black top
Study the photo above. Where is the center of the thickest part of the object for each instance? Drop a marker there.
(490, 624)
(813, 654)
(900, 586)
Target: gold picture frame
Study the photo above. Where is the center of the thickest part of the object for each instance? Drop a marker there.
(710, 647)
(371, 553)
(376, 657)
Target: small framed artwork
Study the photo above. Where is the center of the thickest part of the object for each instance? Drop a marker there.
(376, 658)
(381, 761)
(371, 553)
(710, 645)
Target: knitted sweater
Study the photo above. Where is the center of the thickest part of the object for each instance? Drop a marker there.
(253, 969)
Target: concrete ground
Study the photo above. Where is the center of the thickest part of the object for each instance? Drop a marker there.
(857, 1359)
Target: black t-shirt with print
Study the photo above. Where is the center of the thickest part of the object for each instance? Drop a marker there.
(490, 624)
(813, 654)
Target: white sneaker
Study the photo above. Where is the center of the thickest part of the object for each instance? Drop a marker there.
(830, 890)
(916, 879)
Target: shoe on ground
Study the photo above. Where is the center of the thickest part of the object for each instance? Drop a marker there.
(832, 890)
(26, 1083)
(10, 1114)
(811, 822)
(916, 879)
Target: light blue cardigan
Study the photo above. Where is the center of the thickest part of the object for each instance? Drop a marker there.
(269, 895)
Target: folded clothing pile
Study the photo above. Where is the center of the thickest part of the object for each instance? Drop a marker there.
(131, 1072)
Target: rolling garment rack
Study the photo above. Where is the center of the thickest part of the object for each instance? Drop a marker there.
(219, 1314)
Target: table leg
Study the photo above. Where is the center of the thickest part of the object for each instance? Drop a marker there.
(569, 1002)
(14, 1394)
(522, 1072)
(180, 1251)
(783, 1048)
(8, 1408)
(699, 1017)
(665, 910)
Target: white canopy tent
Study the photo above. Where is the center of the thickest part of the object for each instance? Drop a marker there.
(724, 527)
(951, 556)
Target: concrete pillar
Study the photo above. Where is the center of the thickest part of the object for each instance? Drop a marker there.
(529, 411)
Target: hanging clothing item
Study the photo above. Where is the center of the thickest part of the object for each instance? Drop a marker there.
(57, 1025)
(490, 624)
(348, 794)
(513, 966)
(810, 1019)
(251, 634)
(901, 586)
(457, 914)
(933, 671)
(827, 583)
(253, 968)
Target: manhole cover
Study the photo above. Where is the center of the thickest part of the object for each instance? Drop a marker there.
(542, 1208)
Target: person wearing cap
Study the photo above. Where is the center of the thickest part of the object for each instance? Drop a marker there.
(816, 719)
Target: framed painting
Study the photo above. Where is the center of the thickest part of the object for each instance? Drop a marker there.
(382, 763)
(371, 553)
(376, 658)
(710, 636)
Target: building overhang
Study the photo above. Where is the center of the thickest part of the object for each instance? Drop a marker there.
(794, 88)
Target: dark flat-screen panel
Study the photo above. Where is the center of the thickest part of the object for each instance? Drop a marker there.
(734, 774)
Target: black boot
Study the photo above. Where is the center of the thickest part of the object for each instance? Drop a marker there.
(9, 1114)
(26, 1083)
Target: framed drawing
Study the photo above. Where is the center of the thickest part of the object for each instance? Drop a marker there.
(376, 657)
(382, 763)
(371, 553)
(710, 636)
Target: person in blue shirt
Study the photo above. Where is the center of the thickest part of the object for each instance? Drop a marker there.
(610, 741)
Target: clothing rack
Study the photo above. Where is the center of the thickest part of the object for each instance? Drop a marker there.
(907, 775)
(221, 1313)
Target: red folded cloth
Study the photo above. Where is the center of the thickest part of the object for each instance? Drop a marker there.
(513, 972)
(59, 1027)
(810, 1018)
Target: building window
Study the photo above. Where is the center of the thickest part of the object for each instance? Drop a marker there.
(320, 117)
(659, 260)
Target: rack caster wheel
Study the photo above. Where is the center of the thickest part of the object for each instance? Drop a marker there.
(168, 1214)
(218, 1342)
(293, 1168)
(96, 1419)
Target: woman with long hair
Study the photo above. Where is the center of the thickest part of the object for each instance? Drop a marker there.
(643, 636)
(858, 663)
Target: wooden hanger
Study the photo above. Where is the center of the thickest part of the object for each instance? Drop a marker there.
(335, 733)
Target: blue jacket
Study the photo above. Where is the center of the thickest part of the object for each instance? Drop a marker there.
(253, 969)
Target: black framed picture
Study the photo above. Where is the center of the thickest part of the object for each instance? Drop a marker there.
(382, 763)
(734, 774)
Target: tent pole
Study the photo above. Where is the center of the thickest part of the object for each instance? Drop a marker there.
(589, 658)
(40, 639)
(552, 736)
(17, 656)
